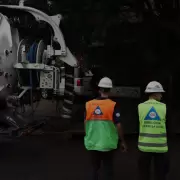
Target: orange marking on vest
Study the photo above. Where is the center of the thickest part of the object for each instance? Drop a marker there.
(106, 107)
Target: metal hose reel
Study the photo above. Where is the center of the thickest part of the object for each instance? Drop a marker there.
(28, 67)
(29, 52)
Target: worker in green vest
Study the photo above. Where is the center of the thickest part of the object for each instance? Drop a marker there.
(152, 142)
(103, 129)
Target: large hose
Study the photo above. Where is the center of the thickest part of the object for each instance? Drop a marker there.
(26, 78)
(31, 57)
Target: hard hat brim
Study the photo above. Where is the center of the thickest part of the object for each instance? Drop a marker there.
(105, 86)
(155, 91)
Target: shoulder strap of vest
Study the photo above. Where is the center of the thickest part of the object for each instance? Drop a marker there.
(157, 103)
(95, 100)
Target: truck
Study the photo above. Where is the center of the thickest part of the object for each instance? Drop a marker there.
(36, 62)
(35, 59)
(32, 45)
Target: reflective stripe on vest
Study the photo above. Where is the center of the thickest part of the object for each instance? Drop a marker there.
(152, 144)
(152, 136)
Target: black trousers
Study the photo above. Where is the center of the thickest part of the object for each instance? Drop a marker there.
(106, 159)
(161, 165)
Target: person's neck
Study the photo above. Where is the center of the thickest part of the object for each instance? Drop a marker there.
(152, 98)
(104, 95)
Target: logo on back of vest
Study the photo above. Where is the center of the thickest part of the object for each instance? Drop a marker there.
(152, 115)
(98, 111)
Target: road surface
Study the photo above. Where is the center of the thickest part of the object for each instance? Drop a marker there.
(50, 157)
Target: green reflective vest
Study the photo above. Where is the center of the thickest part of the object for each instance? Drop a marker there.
(101, 132)
(152, 135)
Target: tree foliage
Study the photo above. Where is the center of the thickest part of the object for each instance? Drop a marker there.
(127, 29)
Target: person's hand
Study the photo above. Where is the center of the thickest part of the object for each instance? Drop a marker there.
(124, 147)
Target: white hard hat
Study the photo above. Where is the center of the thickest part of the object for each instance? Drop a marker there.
(105, 83)
(154, 87)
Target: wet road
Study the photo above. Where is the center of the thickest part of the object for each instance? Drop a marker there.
(49, 157)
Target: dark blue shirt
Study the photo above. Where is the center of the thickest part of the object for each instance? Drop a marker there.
(116, 113)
